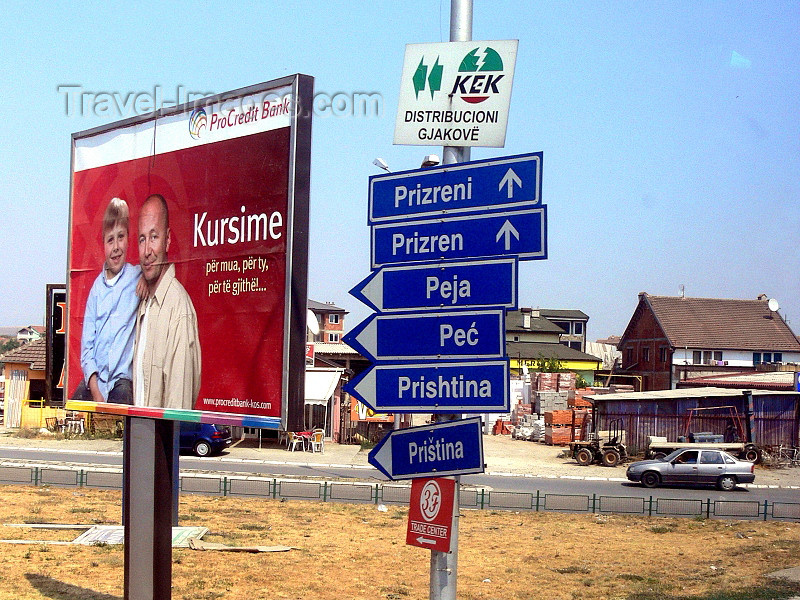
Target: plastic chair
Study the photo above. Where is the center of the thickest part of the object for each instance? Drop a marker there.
(295, 440)
(318, 441)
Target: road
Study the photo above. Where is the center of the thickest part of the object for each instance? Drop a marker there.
(518, 483)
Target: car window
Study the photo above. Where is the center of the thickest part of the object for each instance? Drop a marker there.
(730, 460)
(710, 457)
(689, 457)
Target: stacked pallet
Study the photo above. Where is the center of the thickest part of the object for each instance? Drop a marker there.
(520, 410)
(546, 382)
(502, 427)
(566, 381)
(558, 427)
(578, 399)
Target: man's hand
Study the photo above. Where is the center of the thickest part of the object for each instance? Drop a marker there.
(95, 389)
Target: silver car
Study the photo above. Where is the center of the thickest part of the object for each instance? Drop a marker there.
(698, 467)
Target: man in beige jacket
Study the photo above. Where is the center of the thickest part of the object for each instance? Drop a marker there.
(166, 368)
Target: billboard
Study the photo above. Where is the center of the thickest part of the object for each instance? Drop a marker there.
(203, 307)
(56, 333)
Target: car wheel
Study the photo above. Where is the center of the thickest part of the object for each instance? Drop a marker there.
(202, 448)
(611, 458)
(650, 479)
(726, 483)
(584, 457)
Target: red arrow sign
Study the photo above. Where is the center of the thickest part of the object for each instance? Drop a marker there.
(430, 514)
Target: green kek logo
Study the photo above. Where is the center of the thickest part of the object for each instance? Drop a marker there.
(421, 75)
(475, 88)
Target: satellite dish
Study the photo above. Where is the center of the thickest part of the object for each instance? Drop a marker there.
(773, 305)
(311, 322)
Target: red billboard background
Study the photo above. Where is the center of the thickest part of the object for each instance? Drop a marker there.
(230, 219)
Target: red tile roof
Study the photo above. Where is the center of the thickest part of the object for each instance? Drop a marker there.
(33, 353)
(722, 323)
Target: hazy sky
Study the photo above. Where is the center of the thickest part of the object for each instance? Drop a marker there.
(670, 132)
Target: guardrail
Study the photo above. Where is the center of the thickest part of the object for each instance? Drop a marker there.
(396, 493)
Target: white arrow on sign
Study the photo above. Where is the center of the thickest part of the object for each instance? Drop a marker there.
(509, 179)
(507, 230)
(423, 540)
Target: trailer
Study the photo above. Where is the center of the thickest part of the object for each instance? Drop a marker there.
(736, 440)
(659, 447)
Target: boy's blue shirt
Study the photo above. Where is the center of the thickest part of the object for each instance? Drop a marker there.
(109, 323)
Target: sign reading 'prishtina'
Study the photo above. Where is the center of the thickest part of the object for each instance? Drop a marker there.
(449, 448)
(519, 233)
(479, 334)
(506, 183)
(457, 285)
(480, 386)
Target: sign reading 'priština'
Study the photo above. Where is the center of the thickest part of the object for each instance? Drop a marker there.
(456, 93)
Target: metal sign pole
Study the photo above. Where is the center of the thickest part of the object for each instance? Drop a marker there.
(444, 565)
(147, 503)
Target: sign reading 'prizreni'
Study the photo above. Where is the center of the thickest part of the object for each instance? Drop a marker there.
(455, 93)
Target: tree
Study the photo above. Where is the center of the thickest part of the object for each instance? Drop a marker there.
(548, 364)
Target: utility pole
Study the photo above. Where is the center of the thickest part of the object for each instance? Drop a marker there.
(444, 565)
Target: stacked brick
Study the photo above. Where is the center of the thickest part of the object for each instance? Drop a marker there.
(558, 427)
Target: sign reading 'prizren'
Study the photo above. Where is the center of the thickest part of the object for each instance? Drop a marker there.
(519, 233)
(456, 93)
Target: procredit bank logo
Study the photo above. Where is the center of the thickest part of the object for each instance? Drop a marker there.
(197, 122)
(478, 78)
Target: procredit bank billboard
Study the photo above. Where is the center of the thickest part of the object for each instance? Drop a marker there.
(203, 307)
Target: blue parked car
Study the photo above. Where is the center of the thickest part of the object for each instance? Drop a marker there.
(204, 438)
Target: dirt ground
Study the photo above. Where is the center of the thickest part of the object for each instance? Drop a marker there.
(359, 552)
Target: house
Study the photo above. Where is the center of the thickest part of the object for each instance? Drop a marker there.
(669, 339)
(30, 333)
(572, 323)
(532, 338)
(25, 378)
(330, 321)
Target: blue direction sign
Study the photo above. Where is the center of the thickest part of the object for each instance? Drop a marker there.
(441, 335)
(521, 233)
(500, 184)
(479, 284)
(449, 448)
(456, 387)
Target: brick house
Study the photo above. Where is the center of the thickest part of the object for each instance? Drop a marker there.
(669, 339)
(330, 319)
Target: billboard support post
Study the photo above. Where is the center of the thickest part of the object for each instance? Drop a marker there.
(444, 565)
(147, 504)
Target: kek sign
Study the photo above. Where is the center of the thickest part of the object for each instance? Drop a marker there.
(456, 93)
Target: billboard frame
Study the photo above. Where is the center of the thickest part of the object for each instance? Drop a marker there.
(296, 257)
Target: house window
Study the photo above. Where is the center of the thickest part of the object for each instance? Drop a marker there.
(577, 328)
(697, 357)
(756, 358)
(645, 354)
(718, 355)
(662, 354)
(333, 319)
(563, 324)
(333, 337)
(777, 357)
(575, 345)
(766, 357)
(629, 355)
